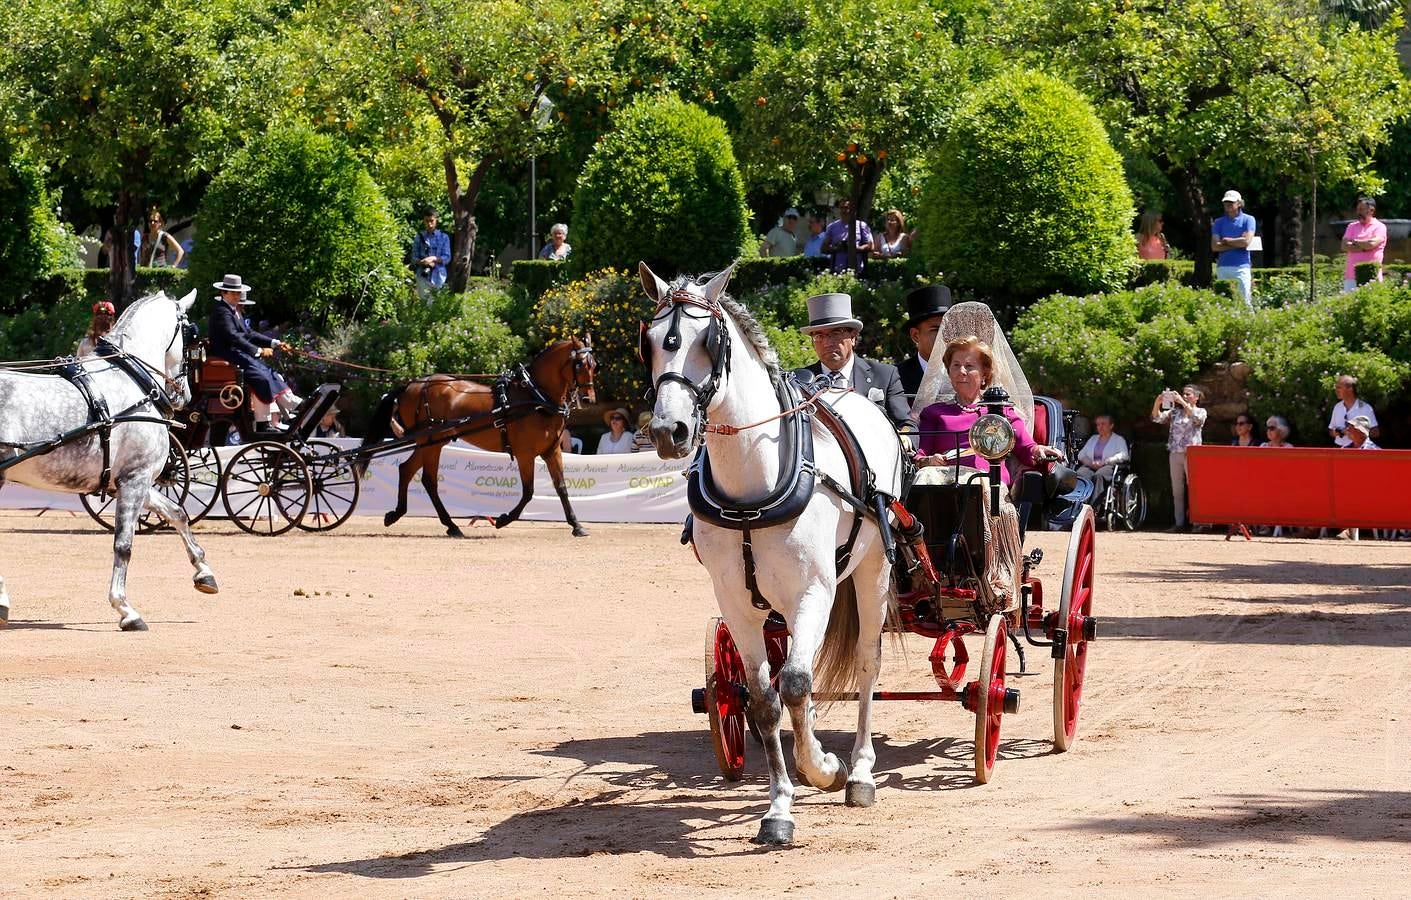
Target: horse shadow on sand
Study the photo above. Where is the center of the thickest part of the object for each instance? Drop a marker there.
(691, 813)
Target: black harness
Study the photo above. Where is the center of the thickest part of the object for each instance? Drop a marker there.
(787, 500)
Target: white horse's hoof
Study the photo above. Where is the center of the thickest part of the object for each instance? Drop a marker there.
(861, 794)
(839, 781)
(775, 833)
(206, 584)
(135, 625)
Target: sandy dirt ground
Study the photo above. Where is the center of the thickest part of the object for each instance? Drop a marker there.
(378, 713)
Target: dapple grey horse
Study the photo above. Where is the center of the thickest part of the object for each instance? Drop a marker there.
(140, 375)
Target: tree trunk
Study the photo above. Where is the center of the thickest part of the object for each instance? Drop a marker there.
(1186, 180)
(1290, 236)
(463, 214)
(121, 277)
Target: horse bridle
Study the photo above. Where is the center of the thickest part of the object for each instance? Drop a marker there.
(717, 348)
(581, 358)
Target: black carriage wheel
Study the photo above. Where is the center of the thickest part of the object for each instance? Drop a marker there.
(266, 488)
(174, 483)
(335, 487)
(204, 467)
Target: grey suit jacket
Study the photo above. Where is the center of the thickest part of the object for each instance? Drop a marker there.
(868, 374)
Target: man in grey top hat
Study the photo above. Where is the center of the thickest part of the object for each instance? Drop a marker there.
(834, 332)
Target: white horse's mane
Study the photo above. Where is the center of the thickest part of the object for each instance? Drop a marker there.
(744, 320)
(128, 315)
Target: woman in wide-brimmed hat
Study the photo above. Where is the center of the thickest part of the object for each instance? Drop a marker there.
(619, 439)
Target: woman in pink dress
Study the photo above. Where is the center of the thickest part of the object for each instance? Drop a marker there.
(1151, 241)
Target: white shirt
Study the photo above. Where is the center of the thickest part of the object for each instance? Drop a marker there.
(1114, 451)
(622, 445)
(846, 370)
(1341, 414)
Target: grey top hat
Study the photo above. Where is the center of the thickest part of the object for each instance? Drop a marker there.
(234, 283)
(827, 311)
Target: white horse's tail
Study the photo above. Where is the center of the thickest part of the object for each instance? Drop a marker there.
(835, 670)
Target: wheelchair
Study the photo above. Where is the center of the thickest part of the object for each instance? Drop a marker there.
(1123, 503)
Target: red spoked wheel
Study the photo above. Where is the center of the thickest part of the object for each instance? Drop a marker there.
(726, 698)
(1074, 616)
(989, 698)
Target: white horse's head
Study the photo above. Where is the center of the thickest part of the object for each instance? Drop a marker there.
(687, 347)
(155, 331)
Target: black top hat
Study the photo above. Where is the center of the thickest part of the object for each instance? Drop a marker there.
(925, 302)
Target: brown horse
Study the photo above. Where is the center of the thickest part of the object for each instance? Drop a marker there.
(523, 413)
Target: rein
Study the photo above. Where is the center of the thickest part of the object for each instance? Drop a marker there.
(808, 405)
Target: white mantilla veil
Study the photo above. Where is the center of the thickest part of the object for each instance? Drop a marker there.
(960, 321)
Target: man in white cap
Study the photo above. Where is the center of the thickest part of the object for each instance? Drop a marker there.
(1230, 236)
(783, 239)
(234, 341)
(834, 332)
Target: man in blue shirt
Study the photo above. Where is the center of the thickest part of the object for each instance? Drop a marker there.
(836, 235)
(1230, 236)
(431, 250)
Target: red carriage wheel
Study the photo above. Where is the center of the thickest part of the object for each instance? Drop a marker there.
(990, 698)
(1074, 615)
(725, 698)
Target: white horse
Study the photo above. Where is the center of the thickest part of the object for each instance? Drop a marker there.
(710, 360)
(139, 376)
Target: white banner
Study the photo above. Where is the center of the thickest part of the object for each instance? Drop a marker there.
(622, 487)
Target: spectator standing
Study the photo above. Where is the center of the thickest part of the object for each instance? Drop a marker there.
(1348, 406)
(1151, 240)
(834, 332)
(156, 244)
(894, 240)
(431, 250)
(1359, 430)
(925, 307)
(836, 238)
(1230, 236)
(782, 239)
(813, 245)
(1244, 431)
(558, 247)
(1098, 459)
(1365, 240)
(618, 439)
(1183, 413)
(99, 324)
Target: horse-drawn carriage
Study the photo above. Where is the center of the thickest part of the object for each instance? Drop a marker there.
(805, 516)
(276, 480)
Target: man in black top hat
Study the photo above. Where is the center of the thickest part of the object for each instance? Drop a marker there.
(924, 307)
(834, 332)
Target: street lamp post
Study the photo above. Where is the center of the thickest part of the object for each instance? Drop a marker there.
(543, 108)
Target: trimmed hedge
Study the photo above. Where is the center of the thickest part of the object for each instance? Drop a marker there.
(663, 187)
(532, 277)
(1026, 196)
(33, 243)
(301, 220)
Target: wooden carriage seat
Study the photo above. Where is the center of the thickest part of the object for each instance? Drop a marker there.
(217, 372)
(946, 510)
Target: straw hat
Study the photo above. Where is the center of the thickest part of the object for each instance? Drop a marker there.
(620, 411)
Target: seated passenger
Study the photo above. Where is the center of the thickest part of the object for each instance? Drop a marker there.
(971, 354)
(1098, 459)
(234, 341)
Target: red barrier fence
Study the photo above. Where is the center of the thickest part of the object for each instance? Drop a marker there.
(1311, 486)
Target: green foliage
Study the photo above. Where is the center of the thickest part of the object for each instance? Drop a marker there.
(299, 218)
(535, 276)
(32, 241)
(663, 188)
(609, 306)
(1116, 351)
(1026, 196)
(1158, 271)
(758, 273)
(1297, 351)
(881, 306)
(45, 330)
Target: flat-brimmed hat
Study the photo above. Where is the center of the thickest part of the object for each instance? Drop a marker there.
(104, 307)
(620, 411)
(827, 311)
(925, 302)
(231, 283)
(1232, 197)
(1362, 424)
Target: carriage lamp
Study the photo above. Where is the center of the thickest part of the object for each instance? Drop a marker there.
(992, 437)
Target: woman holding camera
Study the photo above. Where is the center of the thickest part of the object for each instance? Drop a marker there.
(1182, 411)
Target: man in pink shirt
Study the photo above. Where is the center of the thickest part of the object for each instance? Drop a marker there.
(1365, 240)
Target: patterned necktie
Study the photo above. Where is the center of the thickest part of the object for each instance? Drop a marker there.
(837, 380)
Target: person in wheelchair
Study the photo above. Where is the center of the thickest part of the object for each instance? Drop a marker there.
(970, 355)
(1101, 455)
(246, 349)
